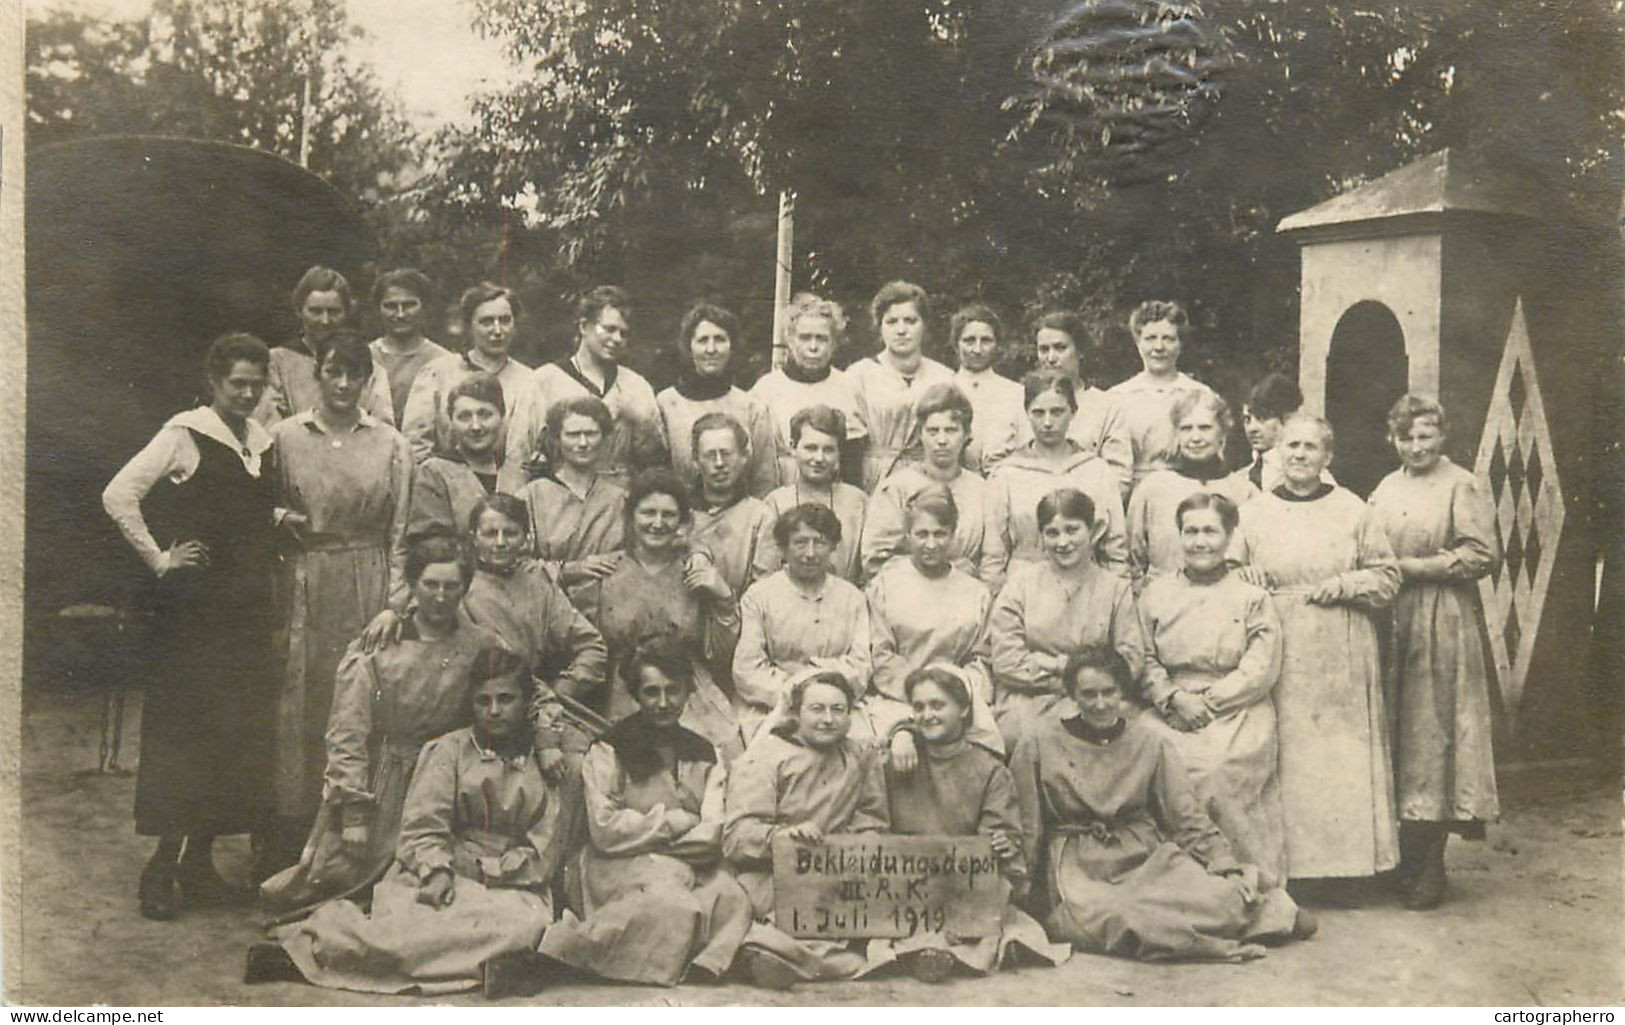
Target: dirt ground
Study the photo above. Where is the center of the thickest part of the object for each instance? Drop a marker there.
(1534, 917)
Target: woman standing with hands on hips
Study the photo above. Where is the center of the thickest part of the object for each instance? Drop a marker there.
(196, 505)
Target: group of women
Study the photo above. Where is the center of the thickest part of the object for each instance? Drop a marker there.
(532, 684)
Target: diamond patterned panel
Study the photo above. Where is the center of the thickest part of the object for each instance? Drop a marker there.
(1515, 462)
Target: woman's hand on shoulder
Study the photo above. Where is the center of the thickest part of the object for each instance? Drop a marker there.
(905, 752)
(1256, 576)
(384, 631)
(597, 567)
(700, 574)
(550, 760)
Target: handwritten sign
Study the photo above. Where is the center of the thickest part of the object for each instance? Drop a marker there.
(875, 885)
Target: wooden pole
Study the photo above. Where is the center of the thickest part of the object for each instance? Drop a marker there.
(781, 271)
(306, 112)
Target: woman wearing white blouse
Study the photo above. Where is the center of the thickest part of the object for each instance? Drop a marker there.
(196, 505)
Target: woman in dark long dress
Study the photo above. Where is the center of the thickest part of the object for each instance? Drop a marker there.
(196, 505)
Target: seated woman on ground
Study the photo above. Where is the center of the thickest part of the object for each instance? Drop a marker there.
(658, 908)
(467, 899)
(804, 779)
(959, 789)
(1130, 863)
(387, 704)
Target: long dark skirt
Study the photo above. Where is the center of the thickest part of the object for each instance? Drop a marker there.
(206, 740)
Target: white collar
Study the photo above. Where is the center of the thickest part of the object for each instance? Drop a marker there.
(207, 422)
(1143, 381)
(308, 418)
(977, 377)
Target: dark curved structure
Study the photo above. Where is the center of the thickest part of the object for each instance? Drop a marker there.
(140, 251)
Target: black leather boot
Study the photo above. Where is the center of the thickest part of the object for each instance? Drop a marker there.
(156, 892)
(1427, 887)
(1411, 837)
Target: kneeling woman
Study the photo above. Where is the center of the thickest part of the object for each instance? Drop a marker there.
(1131, 863)
(959, 789)
(804, 779)
(468, 896)
(658, 906)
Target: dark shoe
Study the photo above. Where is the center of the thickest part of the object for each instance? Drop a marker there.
(930, 966)
(1427, 892)
(767, 970)
(515, 974)
(268, 962)
(156, 892)
(1305, 925)
(202, 887)
(1412, 839)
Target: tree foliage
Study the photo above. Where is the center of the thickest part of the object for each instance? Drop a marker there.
(1088, 153)
(226, 70)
